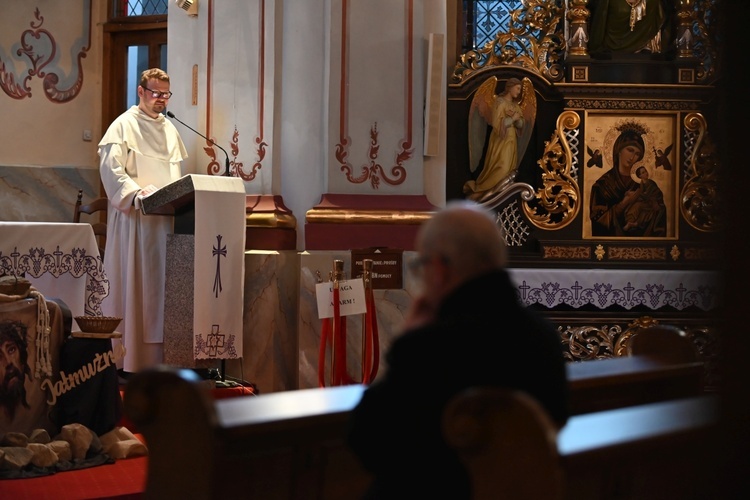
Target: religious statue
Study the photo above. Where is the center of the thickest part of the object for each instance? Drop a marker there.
(628, 26)
(511, 115)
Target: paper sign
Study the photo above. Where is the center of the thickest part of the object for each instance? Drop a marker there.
(351, 298)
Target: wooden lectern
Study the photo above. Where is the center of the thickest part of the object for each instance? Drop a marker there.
(205, 268)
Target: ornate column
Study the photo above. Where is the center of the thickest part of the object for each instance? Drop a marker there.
(684, 38)
(577, 15)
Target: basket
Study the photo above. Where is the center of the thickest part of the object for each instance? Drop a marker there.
(13, 285)
(97, 324)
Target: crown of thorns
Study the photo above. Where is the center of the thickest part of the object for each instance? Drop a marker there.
(14, 331)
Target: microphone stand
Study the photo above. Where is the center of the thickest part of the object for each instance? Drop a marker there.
(211, 141)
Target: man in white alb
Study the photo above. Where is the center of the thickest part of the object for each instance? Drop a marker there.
(140, 152)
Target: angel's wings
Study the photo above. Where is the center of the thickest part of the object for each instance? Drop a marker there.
(595, 157)
(528, 109)
(662, 160)
(480, 114)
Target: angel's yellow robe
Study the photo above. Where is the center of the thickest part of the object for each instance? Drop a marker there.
(502, 149)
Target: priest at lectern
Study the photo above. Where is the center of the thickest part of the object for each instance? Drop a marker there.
(140, 152)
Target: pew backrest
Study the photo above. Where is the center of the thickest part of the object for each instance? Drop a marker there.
(610, 383)
(668, 342)
(287, 445)
(655, 451)
(507, 442)
(291, 445)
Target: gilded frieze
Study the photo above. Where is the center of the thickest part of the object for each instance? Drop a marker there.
(567, 252)
(636, 253)
(701, 254)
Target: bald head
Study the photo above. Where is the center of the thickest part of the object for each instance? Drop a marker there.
(466, 237)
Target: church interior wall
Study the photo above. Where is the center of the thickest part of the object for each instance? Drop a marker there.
(45, 160)
(51, 94)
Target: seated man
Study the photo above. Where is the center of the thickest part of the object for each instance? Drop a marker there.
(466, 329)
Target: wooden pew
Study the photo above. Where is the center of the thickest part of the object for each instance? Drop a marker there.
(287, 445)
(656, 362)
(655, 451)
(609, 383)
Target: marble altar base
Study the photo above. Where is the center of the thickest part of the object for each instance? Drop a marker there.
(269, 356)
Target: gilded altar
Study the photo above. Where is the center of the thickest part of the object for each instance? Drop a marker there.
(621, 171)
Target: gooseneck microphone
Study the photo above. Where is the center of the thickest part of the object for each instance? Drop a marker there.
(211, 141)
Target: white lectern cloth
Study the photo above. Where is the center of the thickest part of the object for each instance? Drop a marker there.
(219, 274)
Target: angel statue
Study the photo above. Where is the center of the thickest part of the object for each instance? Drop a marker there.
(511, 115)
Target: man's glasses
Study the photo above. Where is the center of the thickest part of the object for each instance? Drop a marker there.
(417, 265)
(156, 94)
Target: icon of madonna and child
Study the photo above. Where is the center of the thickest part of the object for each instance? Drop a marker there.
(626, 200)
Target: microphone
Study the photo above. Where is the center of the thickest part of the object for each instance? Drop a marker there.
(226, 172)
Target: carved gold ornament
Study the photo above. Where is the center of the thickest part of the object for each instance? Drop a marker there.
(556, 203)
(700, 199)
(534, 40)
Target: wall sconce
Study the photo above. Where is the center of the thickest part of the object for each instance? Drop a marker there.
(189, 6)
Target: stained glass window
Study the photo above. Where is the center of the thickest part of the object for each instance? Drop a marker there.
(484, 18)
(130, 8)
